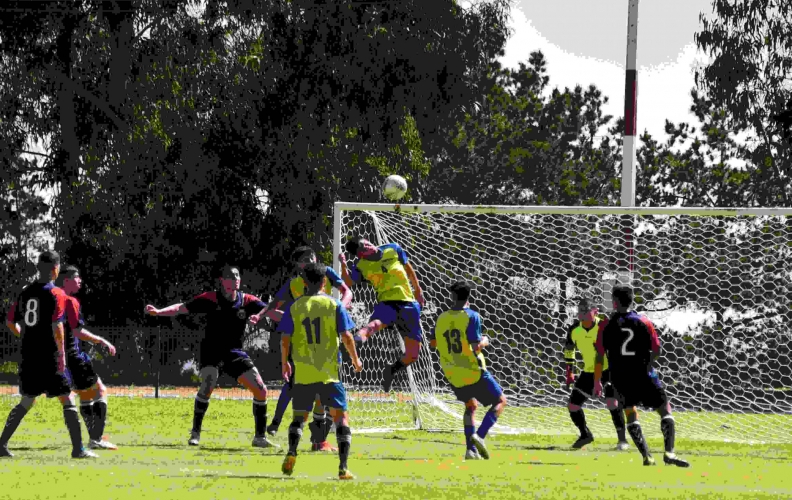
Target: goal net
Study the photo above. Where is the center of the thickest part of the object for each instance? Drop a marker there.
(717, 284)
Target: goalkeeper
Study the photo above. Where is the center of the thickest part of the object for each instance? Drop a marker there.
(582, 336)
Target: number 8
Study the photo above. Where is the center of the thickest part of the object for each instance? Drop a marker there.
(31, 309)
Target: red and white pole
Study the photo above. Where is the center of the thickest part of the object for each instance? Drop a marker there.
(630, 111)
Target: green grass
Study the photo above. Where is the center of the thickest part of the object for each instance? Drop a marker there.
(154, 462)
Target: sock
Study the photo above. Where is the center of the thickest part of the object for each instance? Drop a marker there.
(668, 427)
(637, 436)
(201, 405)
(295, 433)
(260, 416)
(87, 412)
(99, 418)
(13, 421)
(316, 427)
(579, 419)
(470, 428)
(327, 425)
(283, 403)
(73, 424)
(344, 436)
(486, 423)
(617, 416)
(397, 366)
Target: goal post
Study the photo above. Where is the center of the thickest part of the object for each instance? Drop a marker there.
(716, 282)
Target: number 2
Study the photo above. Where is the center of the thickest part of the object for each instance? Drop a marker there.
(624, 350)
(31, 312)
(316, 327)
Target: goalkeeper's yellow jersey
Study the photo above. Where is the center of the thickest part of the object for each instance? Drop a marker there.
(584, 340)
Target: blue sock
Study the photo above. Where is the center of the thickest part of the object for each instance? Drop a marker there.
(486, 424)
(469, 430)
(283, 403)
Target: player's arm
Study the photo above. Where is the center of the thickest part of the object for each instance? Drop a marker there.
(345, 274)
(599, 359)
(59, 333)
(349, 343)
(11, 323)
(286, 329)
(408, 268)
(344, 291)
(654, 340)
(172, 310)
(569, 357)
(83, 334)
(476, 340)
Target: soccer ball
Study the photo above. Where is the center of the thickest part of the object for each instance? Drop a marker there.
(394, 188)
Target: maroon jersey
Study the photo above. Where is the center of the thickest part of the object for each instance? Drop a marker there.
(36, 309)
(227, 319)
(74, 320)
(628, 339)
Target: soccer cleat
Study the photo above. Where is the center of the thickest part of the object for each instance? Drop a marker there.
(288, 464)
(84, 454)
(387, 378)
(481, 448)
(345, 475)
(195, 439)
(672, 459)
(5, 453)
(648, 460)
(622, 445)
(326, 446)
(101, 445)
(272, 429)
(472, 455)
(582, 441)
(262, 442)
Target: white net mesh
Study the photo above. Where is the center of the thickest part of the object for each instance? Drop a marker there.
(717, 285)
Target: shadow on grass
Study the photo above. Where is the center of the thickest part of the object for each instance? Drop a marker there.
(532, 462)
(231, 476)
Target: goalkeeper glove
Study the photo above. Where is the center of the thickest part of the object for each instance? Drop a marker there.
(570, 377)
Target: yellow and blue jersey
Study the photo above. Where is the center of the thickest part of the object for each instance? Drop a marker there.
(584, 340)
(385, 271)
(314, 324)
(454, 332)
(295, 287)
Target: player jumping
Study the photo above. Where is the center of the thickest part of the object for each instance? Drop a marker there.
(630, 341)
(288, 293)
(228, 310)
(582, 337)
(390, 273)
(310, 331)
(86, 383)
(459, 346)
(37, 316)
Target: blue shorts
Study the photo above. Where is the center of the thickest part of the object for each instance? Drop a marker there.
(332, 394)
(83, 376)
(406, 316)
(486, 391)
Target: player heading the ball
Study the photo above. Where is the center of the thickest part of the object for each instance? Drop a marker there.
(458, 340)
(37, 316)
(400, 297)
(631, 344)
(228, 311)
(581, 337)
(310, 331)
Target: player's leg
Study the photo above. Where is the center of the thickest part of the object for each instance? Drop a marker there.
(469, 423)
(584, 385)
(617, 413)
(320, 427)
(302, 397)
(334, 395)
(14, 419)
(100, 418)
(59, 387)
(634, 428)
(659, 400)
(383, 315)
(370, 329)
(280, 409)
(209, 376)
(251, 379)
(488, 393)
(408, 320)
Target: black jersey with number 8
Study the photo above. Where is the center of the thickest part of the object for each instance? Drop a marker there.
(37, 308)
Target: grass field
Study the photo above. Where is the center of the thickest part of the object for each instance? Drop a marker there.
(154, 461)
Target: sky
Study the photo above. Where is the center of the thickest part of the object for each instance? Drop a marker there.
(585, 42)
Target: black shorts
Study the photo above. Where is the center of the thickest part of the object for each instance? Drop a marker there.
(584, 388)
(642, 390)
(35, 381)
(233, 362)
(82, 373)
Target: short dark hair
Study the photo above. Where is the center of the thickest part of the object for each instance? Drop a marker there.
(461, 289)
(220, 270)
(67, 272)
(301, 252)
(587, 303)
(49, 257)
(623, 294)
(353, 244)
(314, 272)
